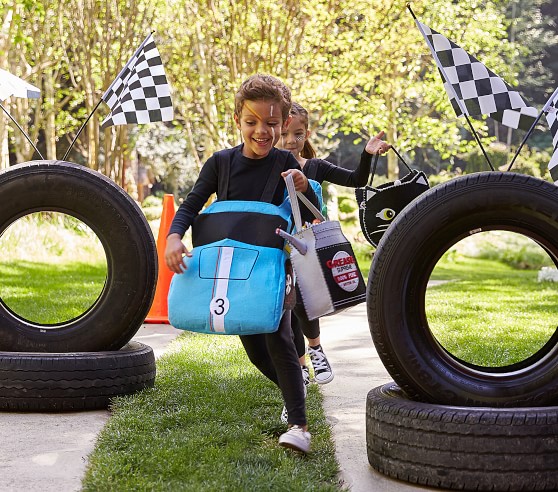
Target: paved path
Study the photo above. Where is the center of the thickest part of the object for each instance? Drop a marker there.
(348, 345)
(47, 452)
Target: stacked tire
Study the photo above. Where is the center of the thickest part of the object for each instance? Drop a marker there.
(84, 362)
(445, 422)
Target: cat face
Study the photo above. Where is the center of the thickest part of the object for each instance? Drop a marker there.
(379, 206)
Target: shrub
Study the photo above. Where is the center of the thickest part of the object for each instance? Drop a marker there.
(152, 201)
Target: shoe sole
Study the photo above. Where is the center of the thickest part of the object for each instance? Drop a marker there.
(294, 447)
(324, 381)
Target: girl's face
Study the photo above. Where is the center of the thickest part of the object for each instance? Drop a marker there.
(294, 136)
(260, 124)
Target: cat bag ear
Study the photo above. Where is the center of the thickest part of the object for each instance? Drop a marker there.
(378, 207)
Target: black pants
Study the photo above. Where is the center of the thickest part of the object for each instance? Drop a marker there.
(302, 326)
(274, 354)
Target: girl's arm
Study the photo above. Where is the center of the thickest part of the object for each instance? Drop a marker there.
(359, 177)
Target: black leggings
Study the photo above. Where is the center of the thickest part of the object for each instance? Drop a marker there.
(274, 354)
(302, 326)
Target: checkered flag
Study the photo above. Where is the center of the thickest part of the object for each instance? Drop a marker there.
(473, 89)
(551, 110)
(140, 93)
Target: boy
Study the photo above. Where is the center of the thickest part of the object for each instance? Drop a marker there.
(262, 106)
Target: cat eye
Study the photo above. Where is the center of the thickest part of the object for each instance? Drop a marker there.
(386, 214)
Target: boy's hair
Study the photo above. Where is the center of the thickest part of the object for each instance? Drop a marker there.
(263, 87)
(307, 151)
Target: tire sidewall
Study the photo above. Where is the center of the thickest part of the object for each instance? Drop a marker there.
(402, 266)
(127, 241)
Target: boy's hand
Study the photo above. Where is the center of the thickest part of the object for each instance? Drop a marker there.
(174, 253)
(376, 145)
(299, 180)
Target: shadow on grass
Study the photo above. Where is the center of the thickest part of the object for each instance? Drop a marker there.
(210, 423)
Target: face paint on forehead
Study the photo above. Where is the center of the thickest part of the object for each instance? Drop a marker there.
(255, 113)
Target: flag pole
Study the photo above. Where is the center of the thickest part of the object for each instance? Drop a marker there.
(22, 131)
(457, 99)
(80, 130)
(528, 134)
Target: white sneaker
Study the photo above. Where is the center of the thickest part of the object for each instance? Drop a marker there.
(322, 370)
(296, 438)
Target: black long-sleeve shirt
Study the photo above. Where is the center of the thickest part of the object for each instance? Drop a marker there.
(320, 171)
(247, 180)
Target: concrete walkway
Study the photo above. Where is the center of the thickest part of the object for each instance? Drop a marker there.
(47, 452)
(347, 342)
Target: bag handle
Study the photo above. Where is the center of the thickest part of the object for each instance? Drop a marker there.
(294, 196)
(376, 157)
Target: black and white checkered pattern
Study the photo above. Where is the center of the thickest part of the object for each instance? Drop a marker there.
(480, 91)
(552, 120)
(140, 93)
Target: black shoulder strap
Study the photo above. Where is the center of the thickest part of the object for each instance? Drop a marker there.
(275, 175)
(223, 165)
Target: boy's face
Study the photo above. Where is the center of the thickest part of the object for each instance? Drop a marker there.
(260, 123)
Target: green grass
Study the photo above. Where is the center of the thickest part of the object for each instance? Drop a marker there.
(488, 313)
(53, 267)
(210, 423)
(47, 294)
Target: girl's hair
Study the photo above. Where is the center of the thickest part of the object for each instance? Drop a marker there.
(263, 87)
(307, 151)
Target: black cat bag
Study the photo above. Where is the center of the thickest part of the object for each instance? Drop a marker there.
(377, 207)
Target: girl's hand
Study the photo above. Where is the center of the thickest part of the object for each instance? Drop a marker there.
(299, 180)
(174, 254)
(376, 145)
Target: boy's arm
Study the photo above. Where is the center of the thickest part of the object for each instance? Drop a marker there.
(205, 185)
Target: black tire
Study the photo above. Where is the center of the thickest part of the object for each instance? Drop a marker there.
(126, 238)
(73, 381)
(400, 272)
(461, 448)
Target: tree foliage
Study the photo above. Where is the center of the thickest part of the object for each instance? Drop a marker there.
(359, 66)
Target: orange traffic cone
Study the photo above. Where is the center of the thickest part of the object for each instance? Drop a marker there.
(159, 312)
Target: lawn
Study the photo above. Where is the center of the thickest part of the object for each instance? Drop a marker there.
(210, 423)
(489, 313)
(47, 294)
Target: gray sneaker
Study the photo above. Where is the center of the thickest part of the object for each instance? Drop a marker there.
(296, 438)
(322, 370)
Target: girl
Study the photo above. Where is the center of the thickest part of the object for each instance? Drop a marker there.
(295, 139)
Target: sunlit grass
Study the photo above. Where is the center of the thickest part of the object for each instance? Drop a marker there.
(52, 267)
(47, 294)
(488, 313)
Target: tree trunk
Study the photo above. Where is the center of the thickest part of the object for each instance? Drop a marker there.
(50, 117)
(392, 163)
(4, 154)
